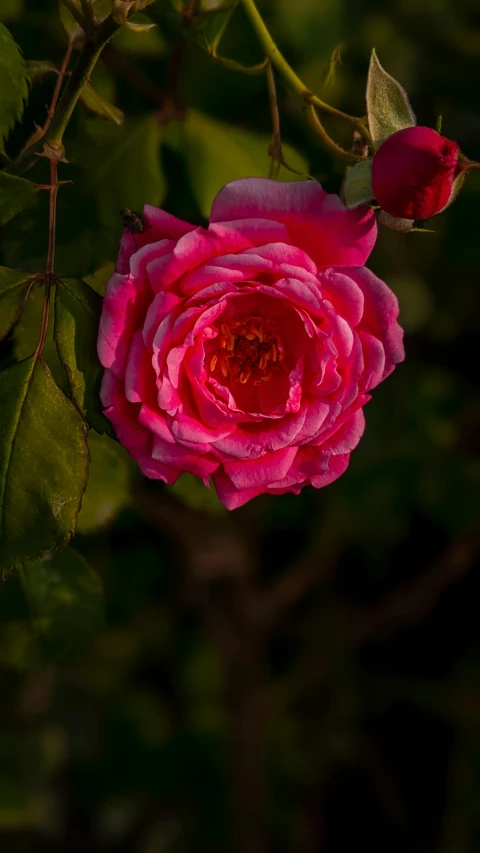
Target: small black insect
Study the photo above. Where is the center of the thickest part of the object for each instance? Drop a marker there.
(132, 221)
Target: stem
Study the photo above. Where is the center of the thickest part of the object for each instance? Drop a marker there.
(52, 224)
(275, 150)
(52, 217)
(92, 49)
(327, 142)
(291, 78)
(39, 134)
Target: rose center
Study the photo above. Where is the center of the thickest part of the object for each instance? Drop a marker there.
(248, 351)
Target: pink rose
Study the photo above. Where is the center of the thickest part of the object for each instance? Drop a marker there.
(246, 350)
(413, 173)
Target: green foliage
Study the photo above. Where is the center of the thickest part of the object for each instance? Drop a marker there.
(388, 107)
(100, 106)
(43, 463)
(10, 9)
(77, 316)
(357, 188)
(109, 484)
(65, 600)
(243, 154)
(14, 289)
(16, 194)
(38, 69)
(13, 83)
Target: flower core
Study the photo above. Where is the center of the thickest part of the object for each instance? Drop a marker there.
(248, 351)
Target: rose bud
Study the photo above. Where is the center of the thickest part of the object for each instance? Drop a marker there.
(413, 172)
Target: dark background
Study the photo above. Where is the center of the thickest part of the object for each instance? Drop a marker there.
(304, 673)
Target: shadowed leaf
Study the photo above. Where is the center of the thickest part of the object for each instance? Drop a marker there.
(103, 108)
(16, 194)
(43, 463)
(14, 288)
(64, 596)
(77, 316)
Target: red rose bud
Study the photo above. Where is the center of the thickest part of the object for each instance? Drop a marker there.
(413, 172)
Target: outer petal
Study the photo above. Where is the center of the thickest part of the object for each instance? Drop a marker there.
(159, 225)
(316, 222)
(124, 308)
(136, 439)
(380, 315)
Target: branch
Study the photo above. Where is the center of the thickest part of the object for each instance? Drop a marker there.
(92, 49)
(291, 78)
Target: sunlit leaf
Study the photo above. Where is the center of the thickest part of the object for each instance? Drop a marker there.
(65, 600)
(13, 83)
(43, 463)
(388, 107)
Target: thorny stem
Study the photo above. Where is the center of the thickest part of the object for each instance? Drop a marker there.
(291, 78)
(49, 276)
(39, 134)
(336, 150)
(94, 44)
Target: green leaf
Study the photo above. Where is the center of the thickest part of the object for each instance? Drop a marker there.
(357, 188)
(395, 223)
(38, 69)
(388, 106)
(13, 83)
(14, 288)
(65, 600)
(217, 153)
(77, 317)
(70, 21)
(10, 9)
(16, 194)
(108, 490)
(43, 463)
(103, 108)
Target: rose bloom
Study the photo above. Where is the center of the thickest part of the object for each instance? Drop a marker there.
(413, 172)
(246, 350)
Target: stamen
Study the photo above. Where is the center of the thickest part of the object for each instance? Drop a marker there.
(245, 350)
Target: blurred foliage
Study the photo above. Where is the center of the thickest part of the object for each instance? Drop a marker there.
(352, 715)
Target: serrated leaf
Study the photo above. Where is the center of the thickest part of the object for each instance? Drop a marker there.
(388, 107)
(103, 108)
(65, 600)
(38, 69)
(200, 139)
(14, 288)
(108, 489)
(357, 188)
(43, 463)
(13, 83)
(77, 317)
(16, 194)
